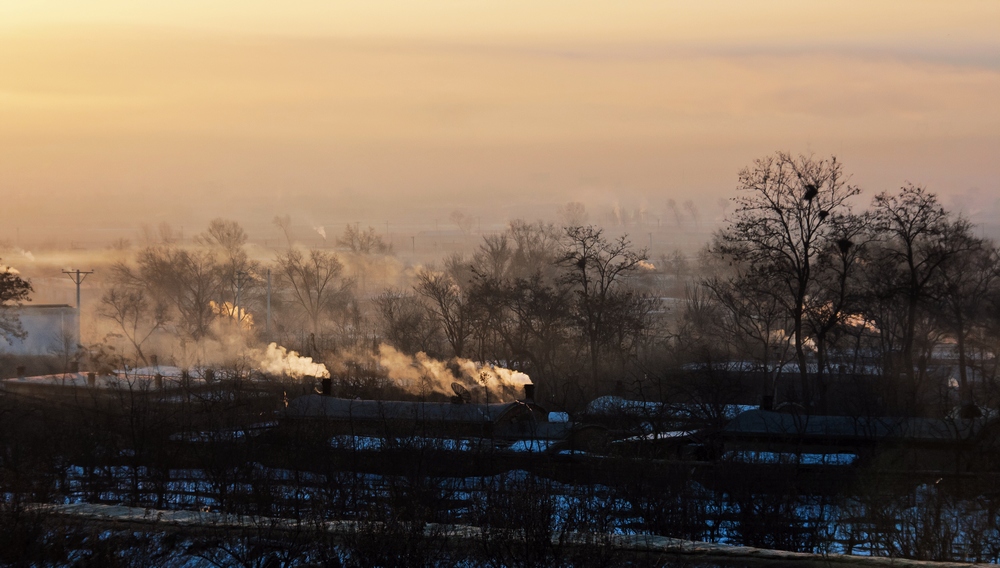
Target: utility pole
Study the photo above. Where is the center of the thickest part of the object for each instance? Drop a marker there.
(267, 318)
(239, 280)
(77, 276)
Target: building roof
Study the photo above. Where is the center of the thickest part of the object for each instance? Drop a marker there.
(764, 423)
(132, 378)
(30, 307)
(332, 408)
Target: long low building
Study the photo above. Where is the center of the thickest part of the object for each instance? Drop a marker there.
(946, 444)
(510, 421)
(50, 329)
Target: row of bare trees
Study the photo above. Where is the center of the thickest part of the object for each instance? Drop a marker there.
(568, 306)
(215, 289)
(801, 276)
(801, 280)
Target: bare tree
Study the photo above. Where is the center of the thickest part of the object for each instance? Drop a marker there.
(754, 319)
(786, 215)
(573, 214)
(239, 276)
(835, 299)
(537, 247)
(135, 315)
(284, 223)
(462, 220)
(597, 270)
(448, 305)
(363, 242)
(919, 238)
(404, 322)
(185, 280)
(520, 309)
(967, 279)
(317, 283)
(494, 257)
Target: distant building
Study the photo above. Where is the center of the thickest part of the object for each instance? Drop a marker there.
(51, 329)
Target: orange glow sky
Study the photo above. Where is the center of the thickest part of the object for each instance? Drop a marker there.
(113, 113)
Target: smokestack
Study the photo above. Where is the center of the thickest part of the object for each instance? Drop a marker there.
(158, 381)
(767, 402)
(20, 372)
(327, 386)
(91, 379)
(529, 392)
(209, 375)
(74, 366)
(154, 361)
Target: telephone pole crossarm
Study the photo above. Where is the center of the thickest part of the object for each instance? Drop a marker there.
(77, 276)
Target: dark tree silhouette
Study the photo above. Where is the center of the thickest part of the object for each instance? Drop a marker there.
(13, 291)
(787, 213)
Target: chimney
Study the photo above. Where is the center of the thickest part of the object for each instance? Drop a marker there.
(327, 386)
(767, 402)
(20, 372)
(154, 361)
(74, 366)
(209, 375)
(529, 392)
(158, 381)
(91, 379)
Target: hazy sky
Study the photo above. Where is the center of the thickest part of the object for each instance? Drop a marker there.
(115, 111)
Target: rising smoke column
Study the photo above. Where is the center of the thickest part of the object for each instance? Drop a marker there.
(280, 361)
(421, 372)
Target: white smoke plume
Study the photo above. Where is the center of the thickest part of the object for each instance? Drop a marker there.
(280, 361)
(321, 230)
(421, 372)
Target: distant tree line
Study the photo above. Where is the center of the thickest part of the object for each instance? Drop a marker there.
(803, 280)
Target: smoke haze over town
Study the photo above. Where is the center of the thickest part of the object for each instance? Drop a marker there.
(524, 283)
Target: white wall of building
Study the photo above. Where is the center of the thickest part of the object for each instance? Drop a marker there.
(52, 329)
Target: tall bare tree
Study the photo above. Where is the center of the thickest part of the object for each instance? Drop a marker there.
(365, 241)
(597, 270)
(449, 306)
(185, 280)
(787, 213)
(239, 276)
(404, 323)
(136, 316)
(316, 282)
(919, 238)
(962, 296)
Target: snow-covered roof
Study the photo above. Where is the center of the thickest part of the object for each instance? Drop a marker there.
(764, 423)
(121, 379)
(332, 408)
